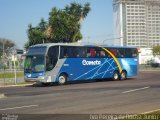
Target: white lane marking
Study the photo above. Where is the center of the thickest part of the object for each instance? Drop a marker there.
(151, 111)
(136, 89)
(19, 107)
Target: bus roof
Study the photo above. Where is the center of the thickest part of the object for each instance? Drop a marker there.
(78, 44)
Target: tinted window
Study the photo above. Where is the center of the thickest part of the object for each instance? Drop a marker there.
(120, 52)
(95, 52)
(39, 50)
(134, 52)
(53, 52)
(113, 51)
(34, 64)
(90, 52)
(124, 52)
(82, 52)
(131, 52)
(66, 52)
(72, 52)
(52, 57)
(100, 53)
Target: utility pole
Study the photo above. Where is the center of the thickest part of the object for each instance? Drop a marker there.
(3, 48)
(3, 59)
(14, 62)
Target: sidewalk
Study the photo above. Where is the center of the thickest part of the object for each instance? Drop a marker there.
(10, 82)
(148, 68)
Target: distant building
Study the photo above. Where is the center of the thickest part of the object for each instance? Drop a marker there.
(137, 22)
(146, 57)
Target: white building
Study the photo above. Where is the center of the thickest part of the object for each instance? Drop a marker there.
(146, 56)
(137, 22)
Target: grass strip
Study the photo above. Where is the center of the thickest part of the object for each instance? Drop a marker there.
(11, 75)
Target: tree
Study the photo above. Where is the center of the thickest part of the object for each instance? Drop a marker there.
(63, 25)
(36, 35)
(78, 10)
(5, 44)
(156, 51)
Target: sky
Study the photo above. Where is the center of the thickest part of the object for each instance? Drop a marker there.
(16, 15)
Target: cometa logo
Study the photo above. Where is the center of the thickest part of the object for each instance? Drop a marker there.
(85, 62)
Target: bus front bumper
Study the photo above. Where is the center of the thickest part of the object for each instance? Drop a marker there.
(40, 79)
(34, 80)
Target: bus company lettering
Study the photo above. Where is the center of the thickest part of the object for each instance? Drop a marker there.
(96, 62)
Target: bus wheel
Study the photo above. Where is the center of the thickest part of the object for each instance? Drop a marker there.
(115, 75)
(62, 79)
(123, 75)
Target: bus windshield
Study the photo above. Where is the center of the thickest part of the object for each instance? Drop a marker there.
(34, 64)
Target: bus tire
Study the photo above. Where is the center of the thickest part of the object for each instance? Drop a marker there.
(115, 75)
(123, 75)
(62, 79)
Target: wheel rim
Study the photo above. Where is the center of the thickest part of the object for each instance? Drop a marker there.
(115, 76)
(123, 75)
(62, 80)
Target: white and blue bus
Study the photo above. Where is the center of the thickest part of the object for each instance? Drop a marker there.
(49, 63)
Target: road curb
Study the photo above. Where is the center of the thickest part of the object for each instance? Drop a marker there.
(149, 70)
(21, 85)
(2, 96)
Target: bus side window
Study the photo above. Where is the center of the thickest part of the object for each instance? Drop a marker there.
(134, 52)
(131, 52)
(110, 50)
(92, 52)
(100, 53)
(107, 55)
(128, 53)
(87, 52)
(78, 52)
(69, 52)
(120, 53)
(82, 52)
(103, 54)
(113, 51)
(65, 54)
(61, 52)
(52, 57)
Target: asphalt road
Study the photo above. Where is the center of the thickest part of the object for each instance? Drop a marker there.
(136, 95)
